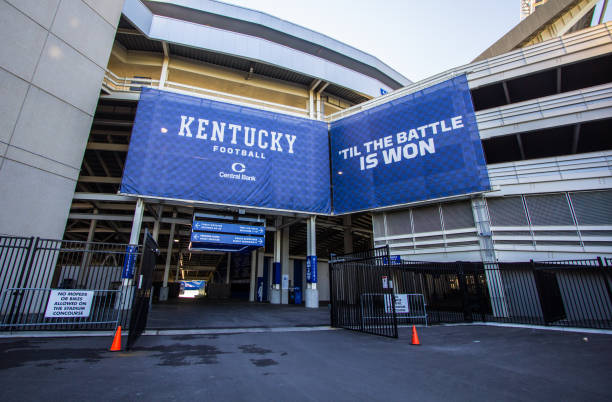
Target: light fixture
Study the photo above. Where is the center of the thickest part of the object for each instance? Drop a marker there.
(340, 172)
(164, 130)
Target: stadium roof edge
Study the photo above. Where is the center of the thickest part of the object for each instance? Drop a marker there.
(243, 27)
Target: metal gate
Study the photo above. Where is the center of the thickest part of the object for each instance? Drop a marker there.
(143, 282)
(362, 295)
(35, 271)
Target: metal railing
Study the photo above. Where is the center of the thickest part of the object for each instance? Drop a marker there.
(559, 293)
(114, 83)
(31, 309)
(574, 293)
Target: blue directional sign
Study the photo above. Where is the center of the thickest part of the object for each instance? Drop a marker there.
(311, 269)
(206, 226)
(214, 238)
(129, 262)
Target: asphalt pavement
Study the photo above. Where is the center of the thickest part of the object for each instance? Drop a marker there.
(458, 363)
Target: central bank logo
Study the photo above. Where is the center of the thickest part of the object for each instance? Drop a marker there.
(238, 167)
(238, 170)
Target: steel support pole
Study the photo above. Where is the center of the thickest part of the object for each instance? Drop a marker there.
(163, 295)
(160, 210)
(87, 255)
(285, 266)
(227, 272)
(126, 286)
(487, 251)
(275, 292)
(348, 234)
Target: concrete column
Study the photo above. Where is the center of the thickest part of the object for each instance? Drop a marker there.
(312, 293)
(160, 210)
(348, 234)
(285, 265)
(260, 271)
(126, 286)
(253, 275)
(275, 292)
(227, 272)
(163, 293)
(487, 253)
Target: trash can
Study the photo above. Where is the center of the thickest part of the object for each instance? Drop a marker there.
(291, 295)
(298, 295)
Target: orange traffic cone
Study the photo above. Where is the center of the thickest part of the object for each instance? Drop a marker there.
(415, 337)
(116, 346)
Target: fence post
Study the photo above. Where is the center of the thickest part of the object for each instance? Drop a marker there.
(481, 299)
(332, 291)
(604, 276)
(467, 313)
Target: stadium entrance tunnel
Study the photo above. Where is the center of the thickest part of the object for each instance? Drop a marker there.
(212, 289)
(209, 289)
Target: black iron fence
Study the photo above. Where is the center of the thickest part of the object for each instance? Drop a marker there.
(560, 293)
(453, 292)
(564, 293)
(361, 295)
(35, 272)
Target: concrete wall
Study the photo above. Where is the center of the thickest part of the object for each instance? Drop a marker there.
(52, 61)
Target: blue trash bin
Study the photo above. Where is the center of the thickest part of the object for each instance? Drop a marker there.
(298, 295)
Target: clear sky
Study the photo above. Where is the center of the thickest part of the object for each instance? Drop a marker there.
(416, 38)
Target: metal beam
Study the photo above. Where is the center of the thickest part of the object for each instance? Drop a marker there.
(111, 122)
(102, 197)
(126, 218)
(128, 31)
(110, 132)
(291, 223)
(520, 145)
(101, 161)
(100, 179)
(506, 92)
(576, 138)
(103, 146)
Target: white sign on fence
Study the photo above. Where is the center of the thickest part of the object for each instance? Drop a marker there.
(69, 303)
(401, 304)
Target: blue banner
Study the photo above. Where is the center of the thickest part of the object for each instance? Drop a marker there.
(206, 226)
(188, 148)
(219, 239)
(311, 269)
(421, 146)
(276, 273)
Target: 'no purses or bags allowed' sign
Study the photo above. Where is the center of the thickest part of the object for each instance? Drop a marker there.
(69, 303)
